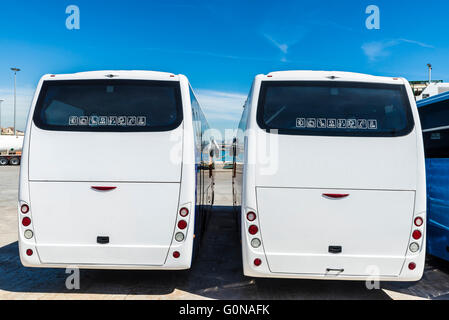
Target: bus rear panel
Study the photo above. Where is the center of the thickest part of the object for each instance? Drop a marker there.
(342, 195)
(108, 179)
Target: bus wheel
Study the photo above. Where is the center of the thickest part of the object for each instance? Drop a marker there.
(3, 162)
(14, 161)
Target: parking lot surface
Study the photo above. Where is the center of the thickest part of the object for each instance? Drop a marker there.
(216, 274)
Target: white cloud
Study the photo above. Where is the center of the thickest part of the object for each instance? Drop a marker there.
(281, 46)
(223, 110)
(379, 49)
(219, 105)
(421, 44)
(284, 36)
(24, 98)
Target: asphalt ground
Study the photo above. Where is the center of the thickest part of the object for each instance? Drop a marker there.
(216, 274)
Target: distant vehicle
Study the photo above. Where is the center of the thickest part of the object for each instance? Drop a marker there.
(117, 172)
(341, 194)
(433, 89)
(10, 150)
(434, 113)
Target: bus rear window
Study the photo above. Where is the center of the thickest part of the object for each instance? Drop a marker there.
(109, 105)
(334, 109)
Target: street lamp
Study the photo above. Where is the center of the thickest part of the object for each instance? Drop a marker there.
(15, 97)
(1, 131)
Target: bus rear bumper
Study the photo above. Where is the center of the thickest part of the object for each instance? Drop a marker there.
(25, 262)
(324, 277)
(34, 261)
(405, 274)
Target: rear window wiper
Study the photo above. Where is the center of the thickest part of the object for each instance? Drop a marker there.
(276, 115)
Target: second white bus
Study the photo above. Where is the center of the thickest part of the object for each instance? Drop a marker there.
(116, 172)
(330, 178)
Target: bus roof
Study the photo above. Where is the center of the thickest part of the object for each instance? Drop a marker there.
(438, 98)
(331, 75)
(114, 74)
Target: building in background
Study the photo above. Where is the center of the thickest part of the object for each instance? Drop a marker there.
(419, 86)
(10, 131)
(433, 89)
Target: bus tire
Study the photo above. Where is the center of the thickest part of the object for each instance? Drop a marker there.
(4, 162)
(14, 161)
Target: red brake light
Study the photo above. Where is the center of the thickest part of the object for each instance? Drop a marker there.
(335, 195)
(25, 209)
(29, 252)
(251, 216)
(419, 222)
(257, 262)
(184, 212)
(253, 230)
(26, 221)
(103, 188)
(412, 266)
(176, 255)
(417, 234)
(182, 224)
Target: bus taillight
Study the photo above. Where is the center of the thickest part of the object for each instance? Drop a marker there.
(251, 216)
(417, 234)
(419, 222)
(256, 243)
(184, 212)
(28, 234)
(182, 224)
(414, 247)
(26, 222)
(25, 209)
(253, 230)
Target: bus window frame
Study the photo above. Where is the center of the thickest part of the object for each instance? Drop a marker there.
(301, 132)
(43, 92)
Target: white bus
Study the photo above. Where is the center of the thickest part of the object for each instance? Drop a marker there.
(116, 172)
(341, 194)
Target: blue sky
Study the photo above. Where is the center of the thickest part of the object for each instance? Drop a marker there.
(219, 45)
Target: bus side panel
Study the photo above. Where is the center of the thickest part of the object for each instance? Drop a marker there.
(438, 207)
(203, 170)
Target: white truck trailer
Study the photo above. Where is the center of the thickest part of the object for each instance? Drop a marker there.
(10, 150)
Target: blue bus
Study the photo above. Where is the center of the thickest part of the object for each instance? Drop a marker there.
(434, 114)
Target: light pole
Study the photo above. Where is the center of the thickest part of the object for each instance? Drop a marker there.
(15, 97)
(1, 131)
